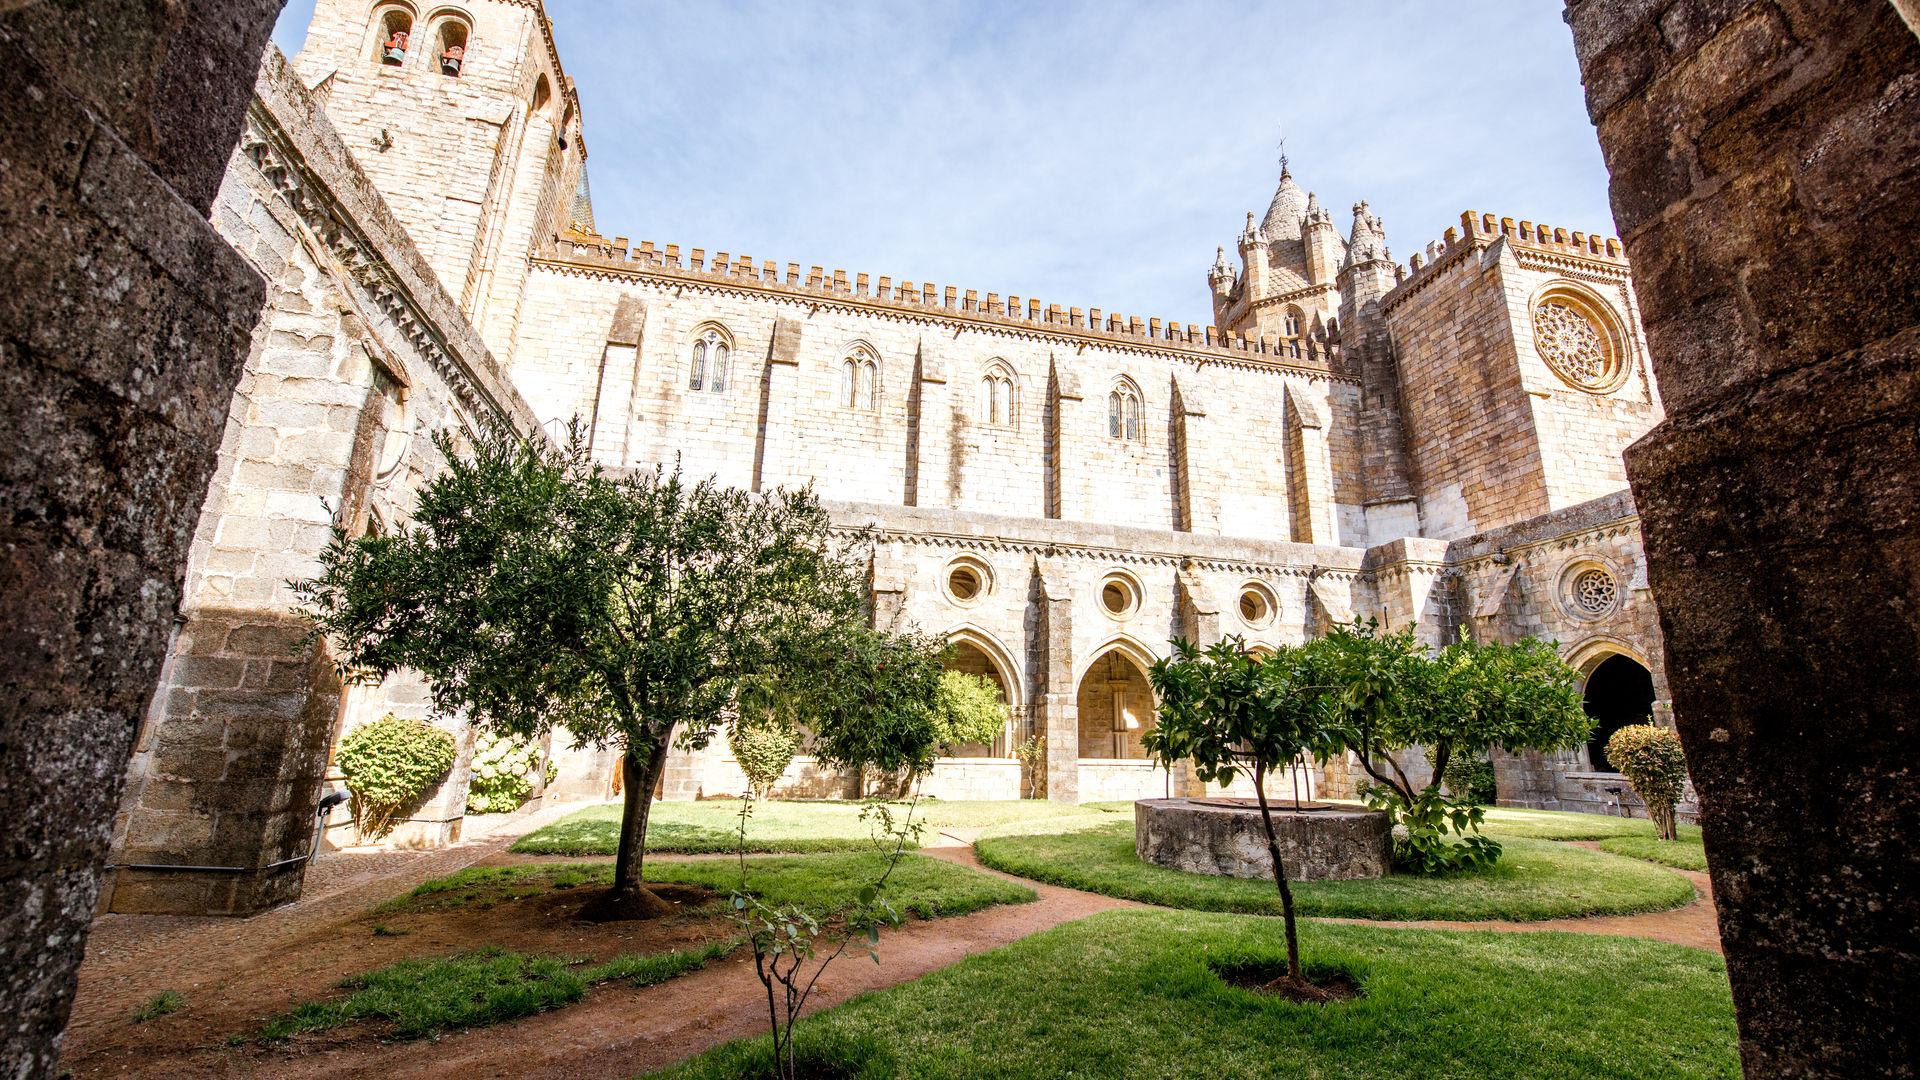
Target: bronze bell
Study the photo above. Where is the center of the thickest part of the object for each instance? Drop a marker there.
(450, 60)
(396, 48)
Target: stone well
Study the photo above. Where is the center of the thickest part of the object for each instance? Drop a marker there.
(1214, 836)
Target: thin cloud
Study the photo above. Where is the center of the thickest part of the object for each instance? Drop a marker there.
(1089, 154)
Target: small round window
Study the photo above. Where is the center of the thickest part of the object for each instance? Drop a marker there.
(964, 583)
(1118, 597)
(1256, 606)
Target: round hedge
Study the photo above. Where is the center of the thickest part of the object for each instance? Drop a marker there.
(388, 763)
(503, 772)
(1651, 760)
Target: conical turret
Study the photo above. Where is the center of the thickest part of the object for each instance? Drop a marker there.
(1289, 206)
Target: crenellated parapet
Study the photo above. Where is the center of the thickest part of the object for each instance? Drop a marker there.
(1314, 354)
(1576, 253)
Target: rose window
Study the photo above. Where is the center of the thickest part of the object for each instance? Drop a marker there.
(1576, 347)
(1593, 591)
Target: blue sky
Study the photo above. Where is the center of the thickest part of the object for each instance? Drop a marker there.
(1085, 154)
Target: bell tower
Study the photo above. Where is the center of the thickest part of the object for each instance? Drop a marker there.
(465, 122)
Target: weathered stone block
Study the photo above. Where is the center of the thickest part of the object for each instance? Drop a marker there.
(1315, 845)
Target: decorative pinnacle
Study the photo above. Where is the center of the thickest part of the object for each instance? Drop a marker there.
(1284, 172)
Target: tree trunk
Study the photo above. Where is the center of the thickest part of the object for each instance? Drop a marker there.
(1279, 874)
(629, 898)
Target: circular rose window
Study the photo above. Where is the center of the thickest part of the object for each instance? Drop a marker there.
(1118, 597)
(964, 583)
(1592, 591)
(1577, 341)
(1256, 607)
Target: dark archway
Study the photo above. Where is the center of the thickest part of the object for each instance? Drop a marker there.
(1619, 693)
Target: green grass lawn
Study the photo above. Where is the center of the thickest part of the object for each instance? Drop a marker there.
(1683, 853)
(1133, 993)
(1559, 825)
(789, 827)
(1534, 879)
(924, 887)
(422, 995)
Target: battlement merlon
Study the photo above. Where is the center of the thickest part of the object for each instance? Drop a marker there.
(596, 254)
(1592, 251)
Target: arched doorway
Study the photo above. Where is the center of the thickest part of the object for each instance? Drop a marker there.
(974, 660)
(1619, 692)
(1116, 707)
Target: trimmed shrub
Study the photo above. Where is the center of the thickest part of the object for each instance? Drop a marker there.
(388, 764)
(764, 749)
(503, 772)
(1651, 760)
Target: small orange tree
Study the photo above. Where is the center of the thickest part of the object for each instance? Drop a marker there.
(1651, 760)
(1228, 710)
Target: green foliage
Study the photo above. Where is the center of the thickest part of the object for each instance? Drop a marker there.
(1134, 993)
(534, 589)
(789, 939)
(1652, 761)
(388, 763)
(1460, 702)
(970, 710)
(1468, 777)
(503, 772)
(422, 995)
(160, 1004)
(764, 747)
(1534, 879)
(1032, 752)
(1420, 844)
(1228, 710)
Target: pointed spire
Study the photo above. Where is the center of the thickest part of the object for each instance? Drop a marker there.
(1252, 234)
(1369, 240)
(1221, 267)
(1288, 209)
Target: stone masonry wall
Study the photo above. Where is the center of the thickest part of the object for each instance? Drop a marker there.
(1765, 159)
(124, 321)
(358, 360)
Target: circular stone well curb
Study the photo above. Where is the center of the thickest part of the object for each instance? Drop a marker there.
(1319, 845)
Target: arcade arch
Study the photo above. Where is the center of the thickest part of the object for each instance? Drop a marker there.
(1618, 692)
(1116, 705)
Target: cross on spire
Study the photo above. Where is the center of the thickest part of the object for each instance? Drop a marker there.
(1283, 151)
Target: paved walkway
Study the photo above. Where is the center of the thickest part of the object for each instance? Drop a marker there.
(619, 1031)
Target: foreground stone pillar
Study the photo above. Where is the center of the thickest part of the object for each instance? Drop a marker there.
(1058, 709)
(124, 321)
(1766, 179)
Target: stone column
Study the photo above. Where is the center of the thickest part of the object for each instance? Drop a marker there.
(1766, 180)
(1057, 711)
(930, 434)
(1310, 468)
(779, 397)
(1196, 482)
(614, 392)
(126, 321)
(1067, 488)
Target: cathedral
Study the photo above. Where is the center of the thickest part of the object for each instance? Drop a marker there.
(1058, 491)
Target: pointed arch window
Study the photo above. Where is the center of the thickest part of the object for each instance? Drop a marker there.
(860, 380)
(708, 370)
(1123, 413)
(997, 395)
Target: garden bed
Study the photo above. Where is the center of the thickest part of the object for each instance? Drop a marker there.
(1140, 994)
(1534, 879)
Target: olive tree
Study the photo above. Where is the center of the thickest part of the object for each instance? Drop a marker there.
(535, 589)
(1228, 710)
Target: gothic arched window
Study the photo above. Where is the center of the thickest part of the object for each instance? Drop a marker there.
(996, 395)
(1123, 413)
(709, 368)
(859, 380)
